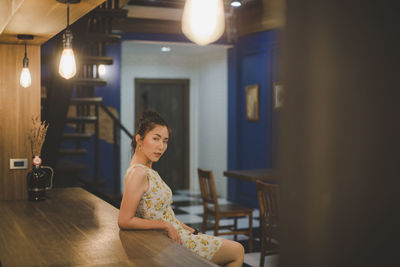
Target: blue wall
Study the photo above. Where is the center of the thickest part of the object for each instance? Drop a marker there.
(251, 145)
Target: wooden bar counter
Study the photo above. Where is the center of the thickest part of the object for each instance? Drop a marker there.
(73, 227)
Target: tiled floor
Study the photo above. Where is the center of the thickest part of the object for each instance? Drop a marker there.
(189, 209)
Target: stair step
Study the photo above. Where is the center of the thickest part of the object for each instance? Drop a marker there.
(67, 152)
(77, 136)
(90, 82)
(86, 100)
(97, 60)
(100, 37)
(81, 119)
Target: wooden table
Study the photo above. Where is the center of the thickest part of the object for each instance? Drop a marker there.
(73, 227)
(266, 175)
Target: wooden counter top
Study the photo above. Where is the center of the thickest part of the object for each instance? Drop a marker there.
(74, 227)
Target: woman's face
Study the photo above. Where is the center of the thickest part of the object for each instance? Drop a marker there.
(154, 143)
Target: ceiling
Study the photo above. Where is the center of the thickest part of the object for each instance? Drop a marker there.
(166, 3)
(164, 16)
(158, 3)
(162, 9)
(176, 49)
(41, 18)
(46, 18)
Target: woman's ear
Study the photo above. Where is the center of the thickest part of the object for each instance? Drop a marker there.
(137, 138)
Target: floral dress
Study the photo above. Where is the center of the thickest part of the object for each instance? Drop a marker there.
(155, 204)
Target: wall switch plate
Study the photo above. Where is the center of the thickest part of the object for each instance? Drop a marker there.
(16, 164)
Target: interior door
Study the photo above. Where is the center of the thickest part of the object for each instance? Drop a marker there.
(170, 98)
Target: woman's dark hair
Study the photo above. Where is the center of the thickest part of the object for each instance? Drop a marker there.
(147, 121)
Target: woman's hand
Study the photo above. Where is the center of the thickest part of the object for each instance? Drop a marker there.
(172, 233)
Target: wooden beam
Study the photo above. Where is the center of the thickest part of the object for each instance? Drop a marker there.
(43, 19)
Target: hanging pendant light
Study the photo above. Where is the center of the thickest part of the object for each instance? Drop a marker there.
(25, 79)
(67, 67)
(203, 21)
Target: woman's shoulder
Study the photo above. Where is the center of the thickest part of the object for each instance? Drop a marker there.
(136, 170)
(136, 178)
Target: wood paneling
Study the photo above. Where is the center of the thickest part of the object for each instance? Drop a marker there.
(75, 228)
(17, 106)
(43, 19)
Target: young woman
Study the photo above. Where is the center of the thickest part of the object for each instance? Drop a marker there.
(146, 202)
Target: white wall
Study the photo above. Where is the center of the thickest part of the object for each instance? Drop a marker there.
(213, 117)
(206, 68)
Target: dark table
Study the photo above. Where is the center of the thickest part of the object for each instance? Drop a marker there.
(74, 227)
(251, 175)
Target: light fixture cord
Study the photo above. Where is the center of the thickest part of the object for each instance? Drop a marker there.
(25, 60)
(67, 14)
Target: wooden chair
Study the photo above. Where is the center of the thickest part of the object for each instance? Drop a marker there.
(211, 207)
(268, 198)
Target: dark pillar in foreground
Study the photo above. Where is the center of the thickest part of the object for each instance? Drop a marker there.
(339, 137)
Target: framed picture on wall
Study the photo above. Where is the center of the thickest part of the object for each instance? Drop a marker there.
(278, 95)
(252, 103)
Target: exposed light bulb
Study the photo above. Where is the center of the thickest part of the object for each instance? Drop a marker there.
(102, 70)
(203, 21)
(25, 79)
(67, 67)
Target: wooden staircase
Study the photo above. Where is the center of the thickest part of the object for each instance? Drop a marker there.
(91, 35)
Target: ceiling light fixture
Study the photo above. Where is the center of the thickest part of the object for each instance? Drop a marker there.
(25, 79)
(165, 49)
(67, 67)
(203, 21)
(236, 3)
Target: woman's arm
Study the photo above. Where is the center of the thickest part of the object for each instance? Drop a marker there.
(136, 184)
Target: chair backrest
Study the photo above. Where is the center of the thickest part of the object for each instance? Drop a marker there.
(207, 187)
(269, 199)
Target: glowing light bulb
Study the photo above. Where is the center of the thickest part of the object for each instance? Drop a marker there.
(102, 70)
(25, 79)
(203, 21)
(67, 68)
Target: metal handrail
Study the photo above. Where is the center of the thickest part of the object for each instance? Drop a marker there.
(115, 119)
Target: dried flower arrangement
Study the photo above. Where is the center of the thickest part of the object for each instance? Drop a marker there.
(37, 135)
